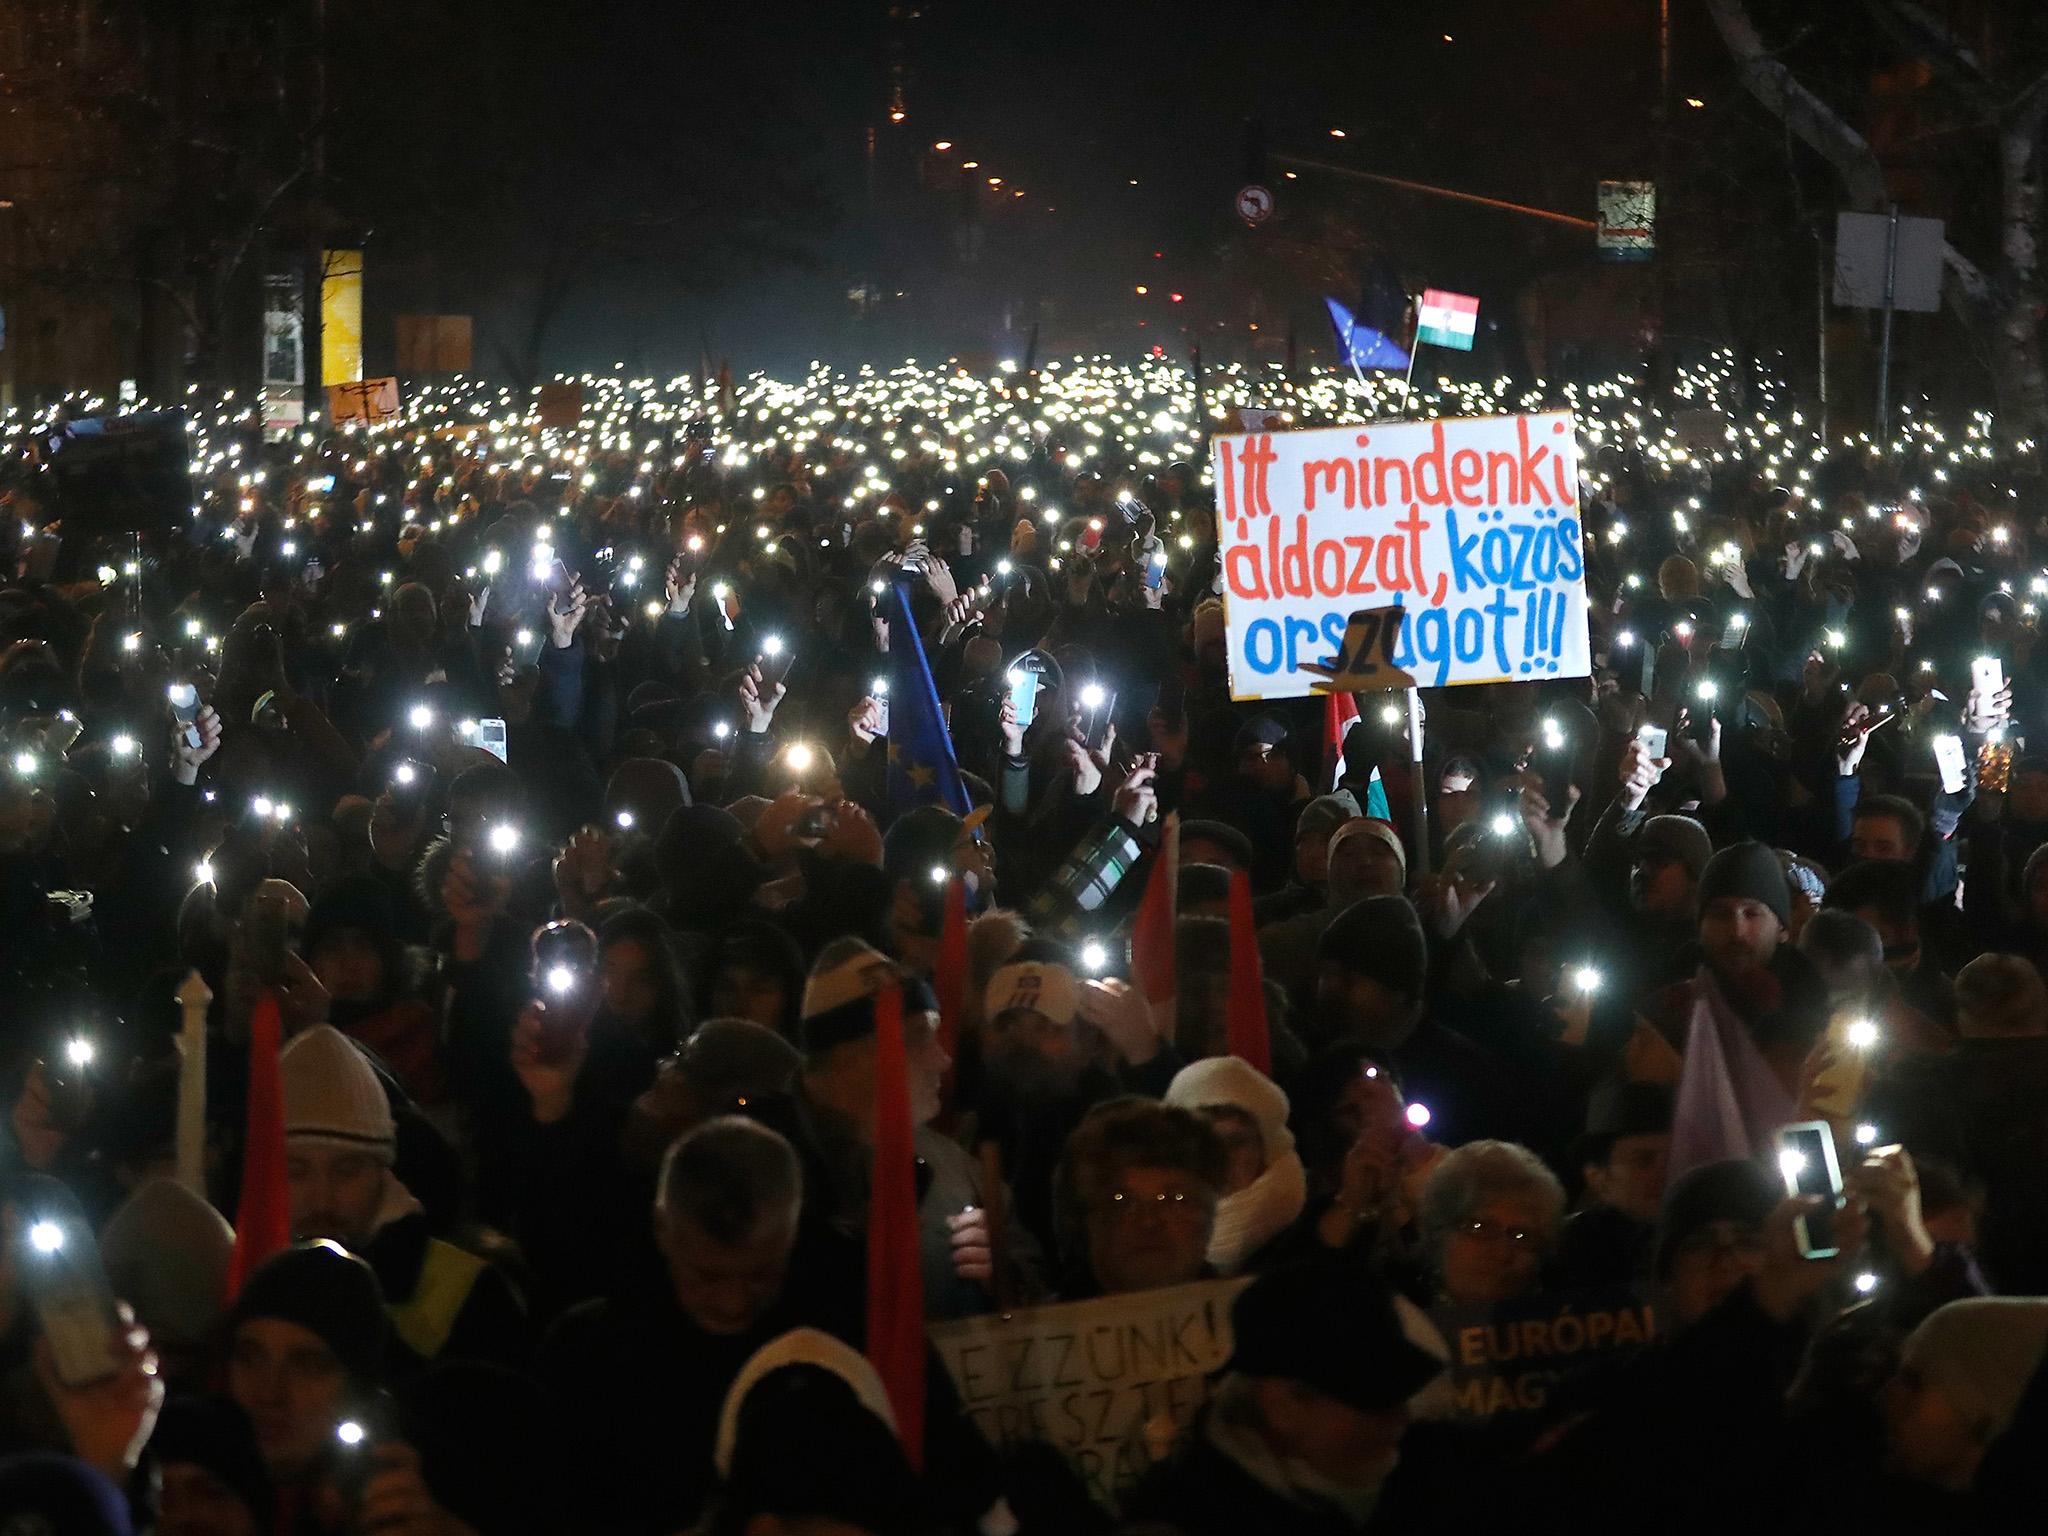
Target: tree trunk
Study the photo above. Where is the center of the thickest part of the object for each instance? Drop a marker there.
(2023, 389)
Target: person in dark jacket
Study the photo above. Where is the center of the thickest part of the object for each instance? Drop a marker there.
(1306, 1427)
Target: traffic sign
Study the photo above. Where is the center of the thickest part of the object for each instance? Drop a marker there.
(1254, 204)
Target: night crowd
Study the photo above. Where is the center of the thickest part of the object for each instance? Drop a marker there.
(555, 830)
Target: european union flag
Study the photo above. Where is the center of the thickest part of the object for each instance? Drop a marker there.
(922, 770)
(1360, 345)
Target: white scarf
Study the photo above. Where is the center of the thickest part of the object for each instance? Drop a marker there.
(1249, 1219)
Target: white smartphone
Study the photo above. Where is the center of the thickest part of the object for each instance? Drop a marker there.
(1806, 1159)
(61, 1271)
(490, 735)
(1653, 739)
(1954, 765)
(1987, 675)
(1024, 695)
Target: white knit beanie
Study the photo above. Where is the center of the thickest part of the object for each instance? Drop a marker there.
(332, 1096)
(800, 1346)
(1982, 1353)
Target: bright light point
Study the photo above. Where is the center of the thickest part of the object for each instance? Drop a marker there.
(1586, 979)
(879, 687)
(1862, 1034)
(1503, 825)
(404, 773)
(202, 872)
(1418, 1115)
(465, 729)
(938, 874)
(1791, 1162)
(131, 641)
(1707, 690)
(1094, 956)
(1625, 639)
(1866, 1282)
(349, 1432)
(46, 1237)
(772, 646)
(721, 730)
(504, 839)
(1866, 1135)
(798, 757)
(123, 746)
(262, 806)
(420, 717)
(625, 821)
(1391, 715)
(523, 637)
(1092, 696)
(560, 978)
(78, 1051)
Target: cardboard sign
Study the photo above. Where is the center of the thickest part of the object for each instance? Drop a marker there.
(1109, 1383)
(370, 401)
(1511, 1360)
(560, 405)
(1628, 221)
(1468, 529)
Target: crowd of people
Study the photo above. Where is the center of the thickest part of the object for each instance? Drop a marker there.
(480, 889)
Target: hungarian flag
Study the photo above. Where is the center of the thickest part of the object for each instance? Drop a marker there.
(1248, 1039)
(1447, 319)
(949, 976)
(895, 1320)
(263, 1220)
(1340, 714)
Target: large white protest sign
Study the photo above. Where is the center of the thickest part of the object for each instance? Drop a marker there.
(1108, 1383)
(1464, 533)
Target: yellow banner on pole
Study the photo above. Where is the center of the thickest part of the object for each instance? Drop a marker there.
(341, 317)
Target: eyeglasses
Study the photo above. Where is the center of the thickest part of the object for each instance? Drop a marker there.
(1175, 1205)
(1494, 1232)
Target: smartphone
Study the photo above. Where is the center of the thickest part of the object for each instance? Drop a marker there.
(1155, 568)
(878, 690)
(1951, 760)
(1987, 675)
(60, 1269)
(774, 658)
(410, 783)
(185, 710)
(1555, 765)
(1099, 714)
(357, 1437)
(1024, 695)
(564, 976)
(322, 484)
(1806, 1158)
(490, 735)
(1654, 739)
(268, 934)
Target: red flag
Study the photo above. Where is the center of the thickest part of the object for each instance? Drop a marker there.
(949, 976)
(1340, 713)
(1152, 935)
(1249, 1039)
(895, 1273)
(263, 1220)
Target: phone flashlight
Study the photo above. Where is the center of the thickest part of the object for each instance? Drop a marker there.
(504, 839)
(797, 757)
(1866, 1135)
(350, 1433)
(1586, 979)
(1418, 1115)
(1503, 825)
(561, 980)
(1094, 956)
(79, 1051)
(1390, 715)
(1092, 696)
(25, 764)
(420, 717)
(46, 1237)
(1862, 1034)
(624, 820)
(123, 745)
(405, 775)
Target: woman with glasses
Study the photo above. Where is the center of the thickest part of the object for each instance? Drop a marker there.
(1491, 1215)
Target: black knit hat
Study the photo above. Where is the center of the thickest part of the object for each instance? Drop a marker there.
(1751, 871)
(1331, 1327)
(1736, 1190)
(1380, 937)
(330, 1293)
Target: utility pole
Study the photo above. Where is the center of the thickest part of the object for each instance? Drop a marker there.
(314, 365)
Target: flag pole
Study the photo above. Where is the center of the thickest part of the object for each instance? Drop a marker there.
(1418, 793)
(1414, 350)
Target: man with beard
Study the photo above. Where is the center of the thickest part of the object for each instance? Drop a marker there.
(340, 1141)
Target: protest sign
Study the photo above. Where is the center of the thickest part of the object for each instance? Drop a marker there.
(1512, 1360)
(1465, 532)
(561, 405)
(1107, 1383)
(119, 474)
(371, 401)
(1628, 221)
